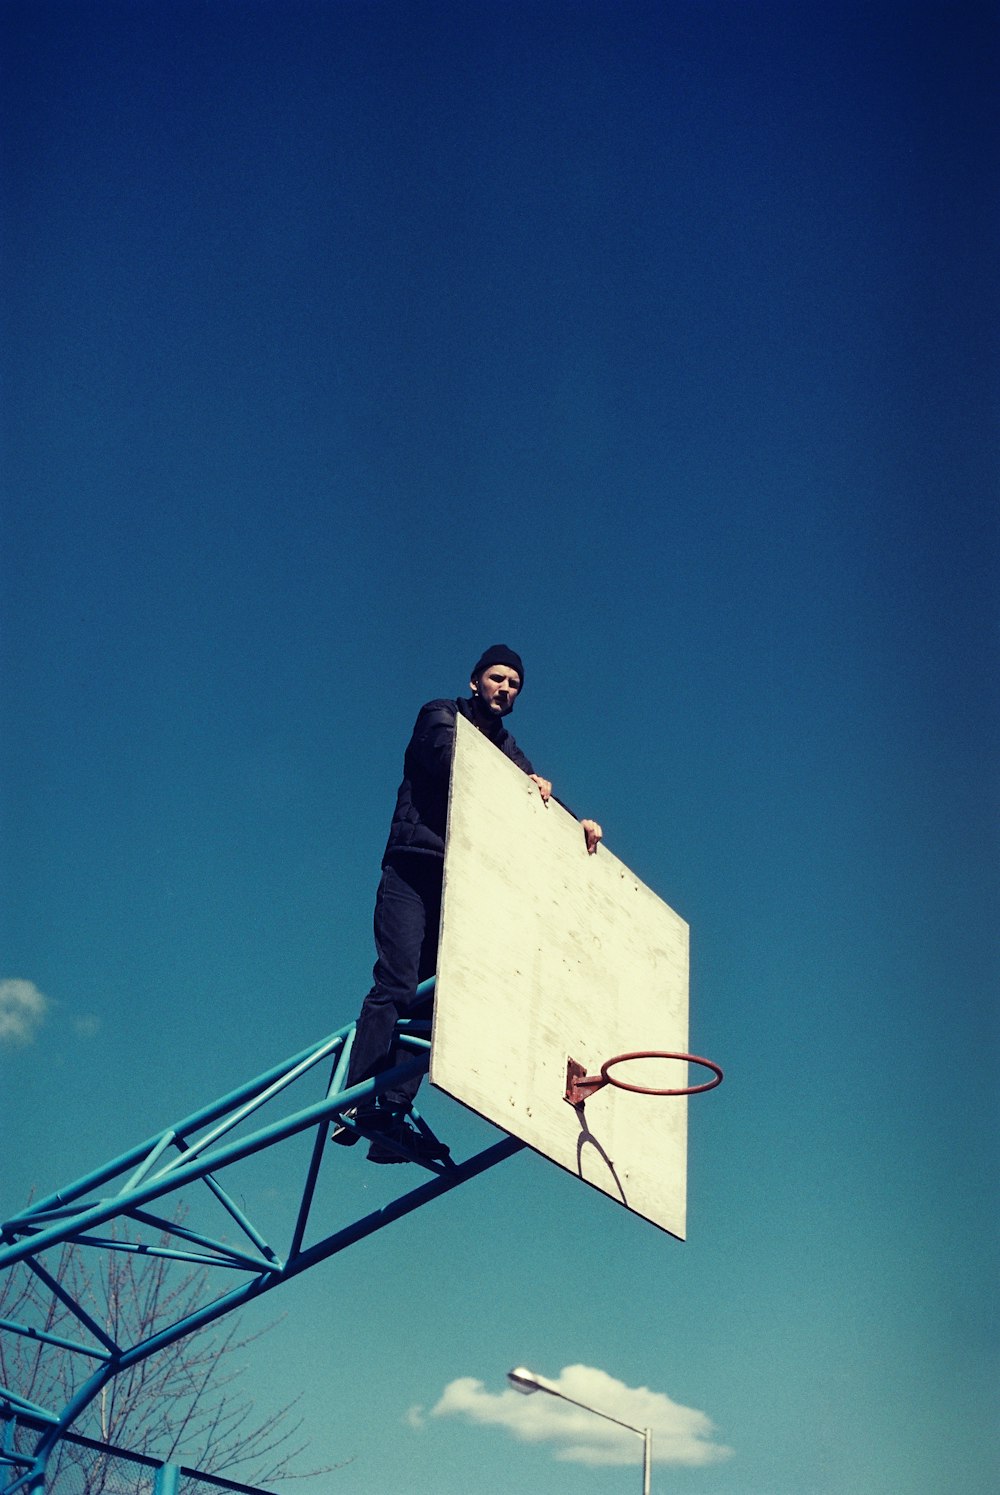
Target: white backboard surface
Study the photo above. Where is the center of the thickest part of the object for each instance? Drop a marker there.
(548, 954)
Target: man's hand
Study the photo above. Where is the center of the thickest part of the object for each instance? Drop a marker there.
(544, 786)
(593, 833)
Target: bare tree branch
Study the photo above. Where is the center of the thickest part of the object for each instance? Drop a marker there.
(183, 1404)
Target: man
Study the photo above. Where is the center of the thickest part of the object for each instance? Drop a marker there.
(408, 903)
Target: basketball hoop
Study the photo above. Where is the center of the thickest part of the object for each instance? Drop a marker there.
(580, 1085)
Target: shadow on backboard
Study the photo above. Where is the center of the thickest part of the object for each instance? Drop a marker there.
(587, 1139)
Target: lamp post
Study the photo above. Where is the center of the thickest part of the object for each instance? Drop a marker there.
(526, 1381)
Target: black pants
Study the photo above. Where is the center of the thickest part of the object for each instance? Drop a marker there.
(407, 914)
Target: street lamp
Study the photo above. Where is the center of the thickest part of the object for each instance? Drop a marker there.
(526, 1381)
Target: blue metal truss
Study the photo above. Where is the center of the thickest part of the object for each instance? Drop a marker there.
(167, 1476)
(192, 1156)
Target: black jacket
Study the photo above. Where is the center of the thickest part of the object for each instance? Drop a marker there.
(421, 813)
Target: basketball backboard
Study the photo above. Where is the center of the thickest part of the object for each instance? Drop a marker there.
(548, 954)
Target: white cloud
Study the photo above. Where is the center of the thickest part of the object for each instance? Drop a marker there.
(87, 1026)
(681, 1435)
(22, 1011)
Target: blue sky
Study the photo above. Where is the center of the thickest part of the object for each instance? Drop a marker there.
(659, 341)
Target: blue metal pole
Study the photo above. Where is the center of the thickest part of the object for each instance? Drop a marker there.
(144, 1460)
(168, 1480)
(441, 1183)
(139, 1154)
(232, 1152)
(67, 1216)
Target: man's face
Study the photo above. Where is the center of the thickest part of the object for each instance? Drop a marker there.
(497, 689)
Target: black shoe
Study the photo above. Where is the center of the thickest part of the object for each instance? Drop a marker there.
(347, 1136)
(418, 1147)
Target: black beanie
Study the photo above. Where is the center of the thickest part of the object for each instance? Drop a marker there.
(498, 654)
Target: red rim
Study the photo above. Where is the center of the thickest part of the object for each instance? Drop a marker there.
(662, 1054)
